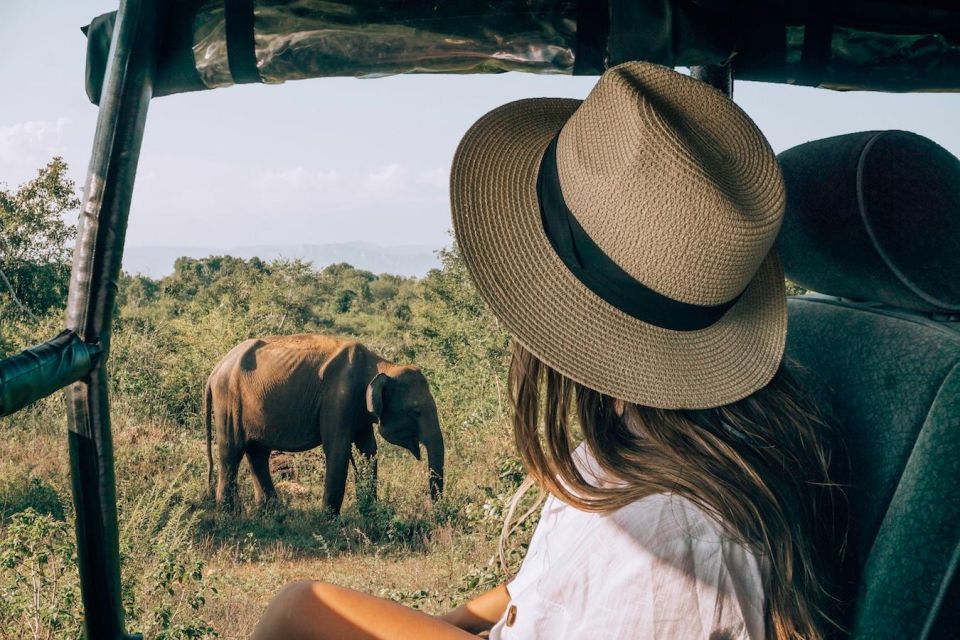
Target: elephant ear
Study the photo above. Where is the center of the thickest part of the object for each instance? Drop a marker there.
(375, 395)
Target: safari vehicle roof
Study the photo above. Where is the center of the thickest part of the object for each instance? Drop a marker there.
(153, 48)
(892, 45)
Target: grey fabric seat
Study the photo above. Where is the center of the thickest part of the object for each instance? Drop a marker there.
(874, 217)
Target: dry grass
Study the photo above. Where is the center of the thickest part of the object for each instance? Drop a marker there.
(401, 547)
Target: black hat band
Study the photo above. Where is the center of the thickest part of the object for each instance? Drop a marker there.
(599, 273)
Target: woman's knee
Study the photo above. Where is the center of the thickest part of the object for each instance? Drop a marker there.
(305, 596)
(293, 611)
(301, 591)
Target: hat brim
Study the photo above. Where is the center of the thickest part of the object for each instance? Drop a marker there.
(496, 219)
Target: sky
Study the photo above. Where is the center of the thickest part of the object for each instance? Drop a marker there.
(329, 160)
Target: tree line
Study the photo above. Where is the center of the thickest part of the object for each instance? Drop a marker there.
(170, 331)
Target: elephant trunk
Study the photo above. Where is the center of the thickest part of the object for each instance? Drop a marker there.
(432, 439)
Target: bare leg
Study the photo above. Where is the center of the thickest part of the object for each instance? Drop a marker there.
(367, 445)
(259, 460)
(335, 481)
(320, 611)
(227, 494)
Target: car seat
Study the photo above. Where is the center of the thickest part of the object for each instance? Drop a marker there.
(873, 226)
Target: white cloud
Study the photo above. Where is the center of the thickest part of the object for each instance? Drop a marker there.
(290, 185)
(388, 181)
(290, 178)
(32, 143)
(439, 178)
(334, 190)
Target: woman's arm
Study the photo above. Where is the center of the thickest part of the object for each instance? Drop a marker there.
(319, 611)
(481, 613)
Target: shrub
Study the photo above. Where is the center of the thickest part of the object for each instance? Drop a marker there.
(164, 588)
(20, 493)
(165, 591)
(39, 594)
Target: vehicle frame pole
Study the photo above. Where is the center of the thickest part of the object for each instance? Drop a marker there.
(717, 75)
(126, 95)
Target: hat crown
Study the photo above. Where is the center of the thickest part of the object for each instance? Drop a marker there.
(673, 182)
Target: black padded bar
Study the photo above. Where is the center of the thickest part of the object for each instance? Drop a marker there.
(716, 75)
(126, 94)
(41, 370)
(593, 31)
(241, 48)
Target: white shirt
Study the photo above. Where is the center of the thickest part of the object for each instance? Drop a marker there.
(659, 569)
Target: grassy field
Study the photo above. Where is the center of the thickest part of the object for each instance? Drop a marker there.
(190, 571)
(431, 556)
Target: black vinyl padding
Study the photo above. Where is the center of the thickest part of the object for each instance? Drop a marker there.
(43, 369)
(891, 383)
(874, 215)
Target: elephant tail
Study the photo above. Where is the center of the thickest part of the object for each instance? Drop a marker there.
(208, 419)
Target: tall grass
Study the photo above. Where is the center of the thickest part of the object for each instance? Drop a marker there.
(190, 571)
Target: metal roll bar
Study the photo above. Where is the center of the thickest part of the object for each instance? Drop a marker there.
(717, 75)
(77, 357)
(93, 287)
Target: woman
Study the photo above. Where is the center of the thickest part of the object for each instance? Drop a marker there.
(625, 241)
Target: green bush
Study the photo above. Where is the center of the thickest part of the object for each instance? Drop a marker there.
(35, 247)
(39, 594)
(19, 493)
(164, 587)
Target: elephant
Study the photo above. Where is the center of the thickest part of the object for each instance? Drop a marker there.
(293, 393)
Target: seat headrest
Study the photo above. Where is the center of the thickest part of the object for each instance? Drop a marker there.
(874, 216)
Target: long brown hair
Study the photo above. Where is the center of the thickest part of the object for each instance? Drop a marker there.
(760, 466)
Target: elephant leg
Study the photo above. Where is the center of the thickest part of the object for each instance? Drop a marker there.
(259, 460)
(366, 479)
(335, 482)
(227, 494)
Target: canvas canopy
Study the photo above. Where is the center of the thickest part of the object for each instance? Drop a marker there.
(895, 45)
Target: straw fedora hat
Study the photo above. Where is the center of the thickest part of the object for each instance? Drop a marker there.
(625, 240)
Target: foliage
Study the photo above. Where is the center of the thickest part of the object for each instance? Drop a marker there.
(165, 590)
(38, 578)
(161, 566)
(170, 332)
(18, 493)
(34, 255)
(793, 289)
(461, 340)
(34, 244)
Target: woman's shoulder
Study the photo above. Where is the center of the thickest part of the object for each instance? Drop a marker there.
(664, 517)
(662, 524)
(674, 514)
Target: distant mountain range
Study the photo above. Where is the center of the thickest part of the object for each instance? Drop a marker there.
(407, 260)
